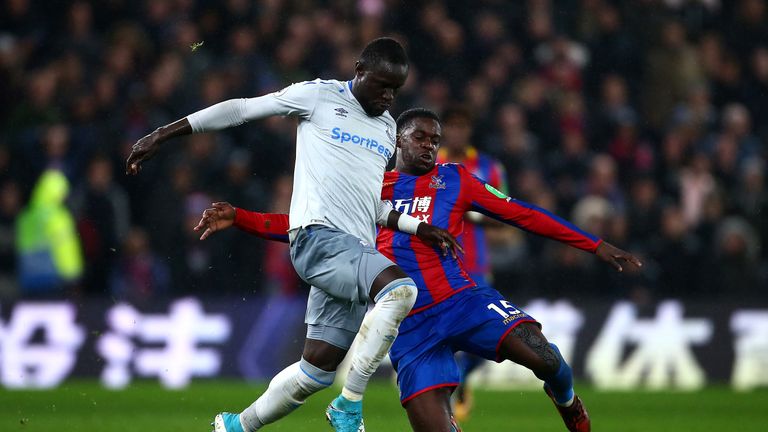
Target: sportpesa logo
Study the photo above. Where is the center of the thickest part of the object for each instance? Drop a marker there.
(370, 144)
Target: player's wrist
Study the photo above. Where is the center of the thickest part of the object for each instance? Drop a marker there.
(238, 218)
(408, 224)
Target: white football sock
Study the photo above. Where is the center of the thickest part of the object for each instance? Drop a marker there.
(287, 391)
(377, 333)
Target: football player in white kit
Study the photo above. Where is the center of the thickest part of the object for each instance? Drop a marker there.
(345, 138)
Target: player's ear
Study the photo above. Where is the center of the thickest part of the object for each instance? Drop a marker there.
(397, 141)
(359, 69)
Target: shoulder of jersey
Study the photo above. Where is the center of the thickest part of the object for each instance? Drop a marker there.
(458, 166)
(327, 84)
(388, 117)
(390, 178)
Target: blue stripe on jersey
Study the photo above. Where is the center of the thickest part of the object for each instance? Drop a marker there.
(403, 253)
(445, 201)
(545, 212)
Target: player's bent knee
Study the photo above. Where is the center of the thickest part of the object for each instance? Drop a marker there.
(399, 295)
(310, 381)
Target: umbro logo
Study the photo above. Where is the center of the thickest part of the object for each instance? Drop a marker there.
(341, 112)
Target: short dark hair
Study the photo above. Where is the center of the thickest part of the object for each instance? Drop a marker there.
(415, 113)
(383, 50)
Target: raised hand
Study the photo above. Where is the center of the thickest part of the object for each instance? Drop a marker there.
(221, 216)
(439, 237)
(615, 256)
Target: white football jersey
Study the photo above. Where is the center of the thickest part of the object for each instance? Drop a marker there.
(341, 152)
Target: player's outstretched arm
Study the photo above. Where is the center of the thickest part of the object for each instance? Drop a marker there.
(146, 147)
(297, 99)
(222, 215)
(531, 218)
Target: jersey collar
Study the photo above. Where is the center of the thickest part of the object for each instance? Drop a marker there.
(433, 171)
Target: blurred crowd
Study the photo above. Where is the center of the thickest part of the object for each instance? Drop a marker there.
(643, 121)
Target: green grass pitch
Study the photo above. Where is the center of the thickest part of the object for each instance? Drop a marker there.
(86, 406)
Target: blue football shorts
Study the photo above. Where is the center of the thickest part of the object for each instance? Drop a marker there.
(475, 320)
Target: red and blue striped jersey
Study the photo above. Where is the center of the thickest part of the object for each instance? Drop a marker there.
(441, 197)
(476, 260)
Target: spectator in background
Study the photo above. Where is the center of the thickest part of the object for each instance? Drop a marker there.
(733, 144)
(47, 249)
(677, 252)
(102, 214)
(672, 67)
(568, 169)
(602, 181)
(613, 49)
(613, 106)
(515, 146)
(752, 198)
(697, 113)
(757, 88)
(138, 276)
(644, 210)
(737, 249)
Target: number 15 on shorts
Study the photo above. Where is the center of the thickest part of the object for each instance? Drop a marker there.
(510, 309)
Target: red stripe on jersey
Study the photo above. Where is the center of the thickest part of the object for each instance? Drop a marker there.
(388, 185)
(385, 237)
(427, 258)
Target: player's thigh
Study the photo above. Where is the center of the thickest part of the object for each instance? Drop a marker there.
(488, 318)
(430, 411)
(333, 320)
(336, 262)
(423, 364)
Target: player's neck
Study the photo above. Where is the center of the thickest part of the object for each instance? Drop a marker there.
(414, 171)
(354, 90)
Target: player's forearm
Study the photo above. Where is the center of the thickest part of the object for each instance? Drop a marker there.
(178, 128)
(270, 226)
(540, 221)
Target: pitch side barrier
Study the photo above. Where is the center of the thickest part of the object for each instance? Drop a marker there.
(669, 345)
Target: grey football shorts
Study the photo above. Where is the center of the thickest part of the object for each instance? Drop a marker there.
(340, 268)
